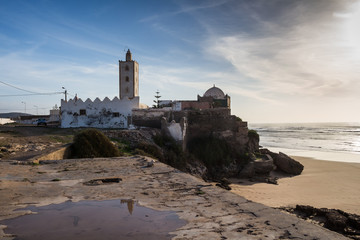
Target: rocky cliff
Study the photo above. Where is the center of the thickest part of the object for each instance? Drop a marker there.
(216, 144)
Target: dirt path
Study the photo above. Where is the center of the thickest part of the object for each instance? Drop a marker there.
(26, 142)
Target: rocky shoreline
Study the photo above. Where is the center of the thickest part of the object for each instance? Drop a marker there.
(333, 219)
(257, 168)
(211, 212)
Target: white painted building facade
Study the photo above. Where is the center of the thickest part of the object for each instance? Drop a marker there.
(116, 113)
(108, 113)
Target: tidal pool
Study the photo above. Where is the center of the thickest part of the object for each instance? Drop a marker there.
(110, 219)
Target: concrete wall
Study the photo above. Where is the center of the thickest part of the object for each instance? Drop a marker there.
(54, 115)
(108, 113)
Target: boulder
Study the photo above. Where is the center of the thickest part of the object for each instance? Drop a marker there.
(248, 171)
(263, 166)
(336, 221)
(286, 164)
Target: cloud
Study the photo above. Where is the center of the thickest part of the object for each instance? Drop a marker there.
(185, 8)
(310, 59)
(198, 80)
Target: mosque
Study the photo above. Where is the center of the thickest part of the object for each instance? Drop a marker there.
(118, 112)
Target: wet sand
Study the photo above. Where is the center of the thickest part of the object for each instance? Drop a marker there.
(323, 184)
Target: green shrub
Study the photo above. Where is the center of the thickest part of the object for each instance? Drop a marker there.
(92, 143)
(173, 154)
(149, 150)
(124, 146)
(211, 151)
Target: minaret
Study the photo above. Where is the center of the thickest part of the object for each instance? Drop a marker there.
(128, 77)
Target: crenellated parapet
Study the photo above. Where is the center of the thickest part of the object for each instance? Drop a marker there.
(106, 113)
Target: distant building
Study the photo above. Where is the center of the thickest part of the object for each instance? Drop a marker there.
(115, 113)
(121, 111)
(213, 98)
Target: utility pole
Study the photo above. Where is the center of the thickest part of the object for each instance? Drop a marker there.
(25, 105)
(65, 92)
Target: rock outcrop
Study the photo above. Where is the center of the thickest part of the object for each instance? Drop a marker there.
(333, 219)
(285, 163)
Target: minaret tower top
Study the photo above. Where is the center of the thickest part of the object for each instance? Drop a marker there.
(128, 56)
(128, 77)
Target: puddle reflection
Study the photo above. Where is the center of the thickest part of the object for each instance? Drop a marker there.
(130, 204)
(108, 219)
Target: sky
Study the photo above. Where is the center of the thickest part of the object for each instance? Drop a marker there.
(278, 60)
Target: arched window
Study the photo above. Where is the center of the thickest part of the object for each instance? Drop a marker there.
(126, 68)
(127, 79)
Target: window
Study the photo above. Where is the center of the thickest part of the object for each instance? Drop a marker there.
(126, 68)
(82, 112)
(127, 79)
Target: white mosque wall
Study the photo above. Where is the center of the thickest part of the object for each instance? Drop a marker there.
(108, 113)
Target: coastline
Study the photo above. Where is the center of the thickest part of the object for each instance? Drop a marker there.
(322, 184)
(332, 156)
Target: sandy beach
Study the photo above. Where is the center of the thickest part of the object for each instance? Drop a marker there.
(325, 184)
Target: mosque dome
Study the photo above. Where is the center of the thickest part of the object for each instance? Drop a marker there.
(214, 92)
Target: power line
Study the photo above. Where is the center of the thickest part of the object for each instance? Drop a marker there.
(7, 84)
(30, 94)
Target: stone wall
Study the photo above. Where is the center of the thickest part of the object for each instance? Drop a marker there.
(218, 123)
(195, 105)
(108, 113)
(150, 117)
(200, 123)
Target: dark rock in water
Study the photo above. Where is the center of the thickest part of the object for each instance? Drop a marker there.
(285, 163)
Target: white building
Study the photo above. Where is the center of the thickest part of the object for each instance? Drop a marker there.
(108, 113)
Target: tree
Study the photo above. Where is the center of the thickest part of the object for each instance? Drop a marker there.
(157, 100)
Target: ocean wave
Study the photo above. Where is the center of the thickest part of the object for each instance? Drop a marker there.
(322, 137)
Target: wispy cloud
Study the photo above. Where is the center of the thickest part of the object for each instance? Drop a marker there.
(198, 80)
(310, 59)
(185, 7)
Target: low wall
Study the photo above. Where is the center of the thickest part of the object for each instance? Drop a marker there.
(108, 113)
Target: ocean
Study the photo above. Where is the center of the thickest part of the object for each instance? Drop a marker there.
(323, 141)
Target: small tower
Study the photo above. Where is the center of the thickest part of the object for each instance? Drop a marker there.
(128, 77)
(128, 56)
